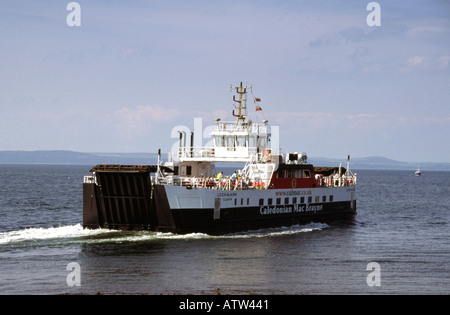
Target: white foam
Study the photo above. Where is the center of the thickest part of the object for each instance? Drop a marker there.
(36, 234)
(78, 234)
(282, 231)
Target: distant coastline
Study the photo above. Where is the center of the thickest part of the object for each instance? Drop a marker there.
(91, 159)
(74, 158)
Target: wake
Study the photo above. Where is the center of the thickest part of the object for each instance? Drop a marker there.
(38, 234)
(77, 234)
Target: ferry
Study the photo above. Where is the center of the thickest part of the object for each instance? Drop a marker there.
(189, 194)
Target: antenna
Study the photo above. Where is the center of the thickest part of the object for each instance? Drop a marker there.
(242, 102)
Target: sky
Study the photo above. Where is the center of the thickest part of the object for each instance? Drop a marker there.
(133, 72)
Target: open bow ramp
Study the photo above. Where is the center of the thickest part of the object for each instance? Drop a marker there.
(121, 197)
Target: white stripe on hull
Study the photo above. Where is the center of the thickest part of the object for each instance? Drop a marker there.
(200, 198)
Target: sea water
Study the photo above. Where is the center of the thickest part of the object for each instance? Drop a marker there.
(399, 243)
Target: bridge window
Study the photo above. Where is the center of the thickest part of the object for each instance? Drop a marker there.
(241, 141)
(230, 142)
(220, 141)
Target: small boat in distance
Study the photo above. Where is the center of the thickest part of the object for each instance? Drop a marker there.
(418, 172)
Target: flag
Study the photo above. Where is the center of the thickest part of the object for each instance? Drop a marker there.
(256, 99)
(258, 108)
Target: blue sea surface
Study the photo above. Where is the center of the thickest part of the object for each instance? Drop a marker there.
(402, 225)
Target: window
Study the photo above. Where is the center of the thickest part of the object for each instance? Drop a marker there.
(262, 142)
(309, 199)
(316, 199)
(306, 174)
(302, 199)
(269, 201)
(286, 200)
(294, 200)
(241, 141)
(324, 198)
(331, 198)
(230, 142)
(278, 201)
(261, 202)
(220, 141)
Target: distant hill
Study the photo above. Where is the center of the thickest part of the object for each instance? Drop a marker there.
(380, 163)
(80, 158)
(77, 158)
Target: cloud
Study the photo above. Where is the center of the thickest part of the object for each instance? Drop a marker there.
(444, 61)
(427, 63)
(359, 121)
(141, 118)
(416, 61)
(345, 36)
(127, 52)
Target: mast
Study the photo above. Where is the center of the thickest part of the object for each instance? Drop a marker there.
(242, 103)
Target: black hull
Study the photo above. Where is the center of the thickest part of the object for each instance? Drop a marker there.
(246, 219)
(114, 208)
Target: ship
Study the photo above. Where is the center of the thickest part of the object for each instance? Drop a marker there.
(190, 194)
(418, 172)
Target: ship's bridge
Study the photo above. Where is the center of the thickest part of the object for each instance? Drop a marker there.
(240, 141)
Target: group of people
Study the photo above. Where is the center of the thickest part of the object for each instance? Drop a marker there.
(235, 181)
(334, 180)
